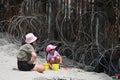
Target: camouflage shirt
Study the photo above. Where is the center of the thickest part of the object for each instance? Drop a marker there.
(24, 53)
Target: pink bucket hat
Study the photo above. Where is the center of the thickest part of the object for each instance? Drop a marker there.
(50, 47)
(30, 38)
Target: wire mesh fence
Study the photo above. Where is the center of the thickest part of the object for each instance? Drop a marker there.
(82, 29)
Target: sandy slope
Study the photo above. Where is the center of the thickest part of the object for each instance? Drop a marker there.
(8, 68)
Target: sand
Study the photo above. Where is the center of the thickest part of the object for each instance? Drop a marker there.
(9, 71)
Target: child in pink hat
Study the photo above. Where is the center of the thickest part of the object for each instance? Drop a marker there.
(27, 56)
(53, 57)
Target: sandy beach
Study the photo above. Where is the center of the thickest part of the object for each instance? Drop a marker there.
(9, 71)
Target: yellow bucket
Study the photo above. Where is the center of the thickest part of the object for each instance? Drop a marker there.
(55, 66)
(46, 66)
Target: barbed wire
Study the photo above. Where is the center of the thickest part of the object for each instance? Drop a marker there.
(82, 42)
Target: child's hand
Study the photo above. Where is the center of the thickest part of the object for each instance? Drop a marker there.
(60, 62)
(50, 66)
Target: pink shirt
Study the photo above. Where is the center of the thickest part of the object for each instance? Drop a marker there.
(49, 56)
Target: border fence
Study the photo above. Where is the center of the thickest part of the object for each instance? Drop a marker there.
(83, 29)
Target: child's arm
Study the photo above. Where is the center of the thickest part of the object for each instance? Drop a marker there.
(60, 58)
(50, 66)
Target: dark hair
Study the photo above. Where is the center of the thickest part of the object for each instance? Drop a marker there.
(23, 42)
